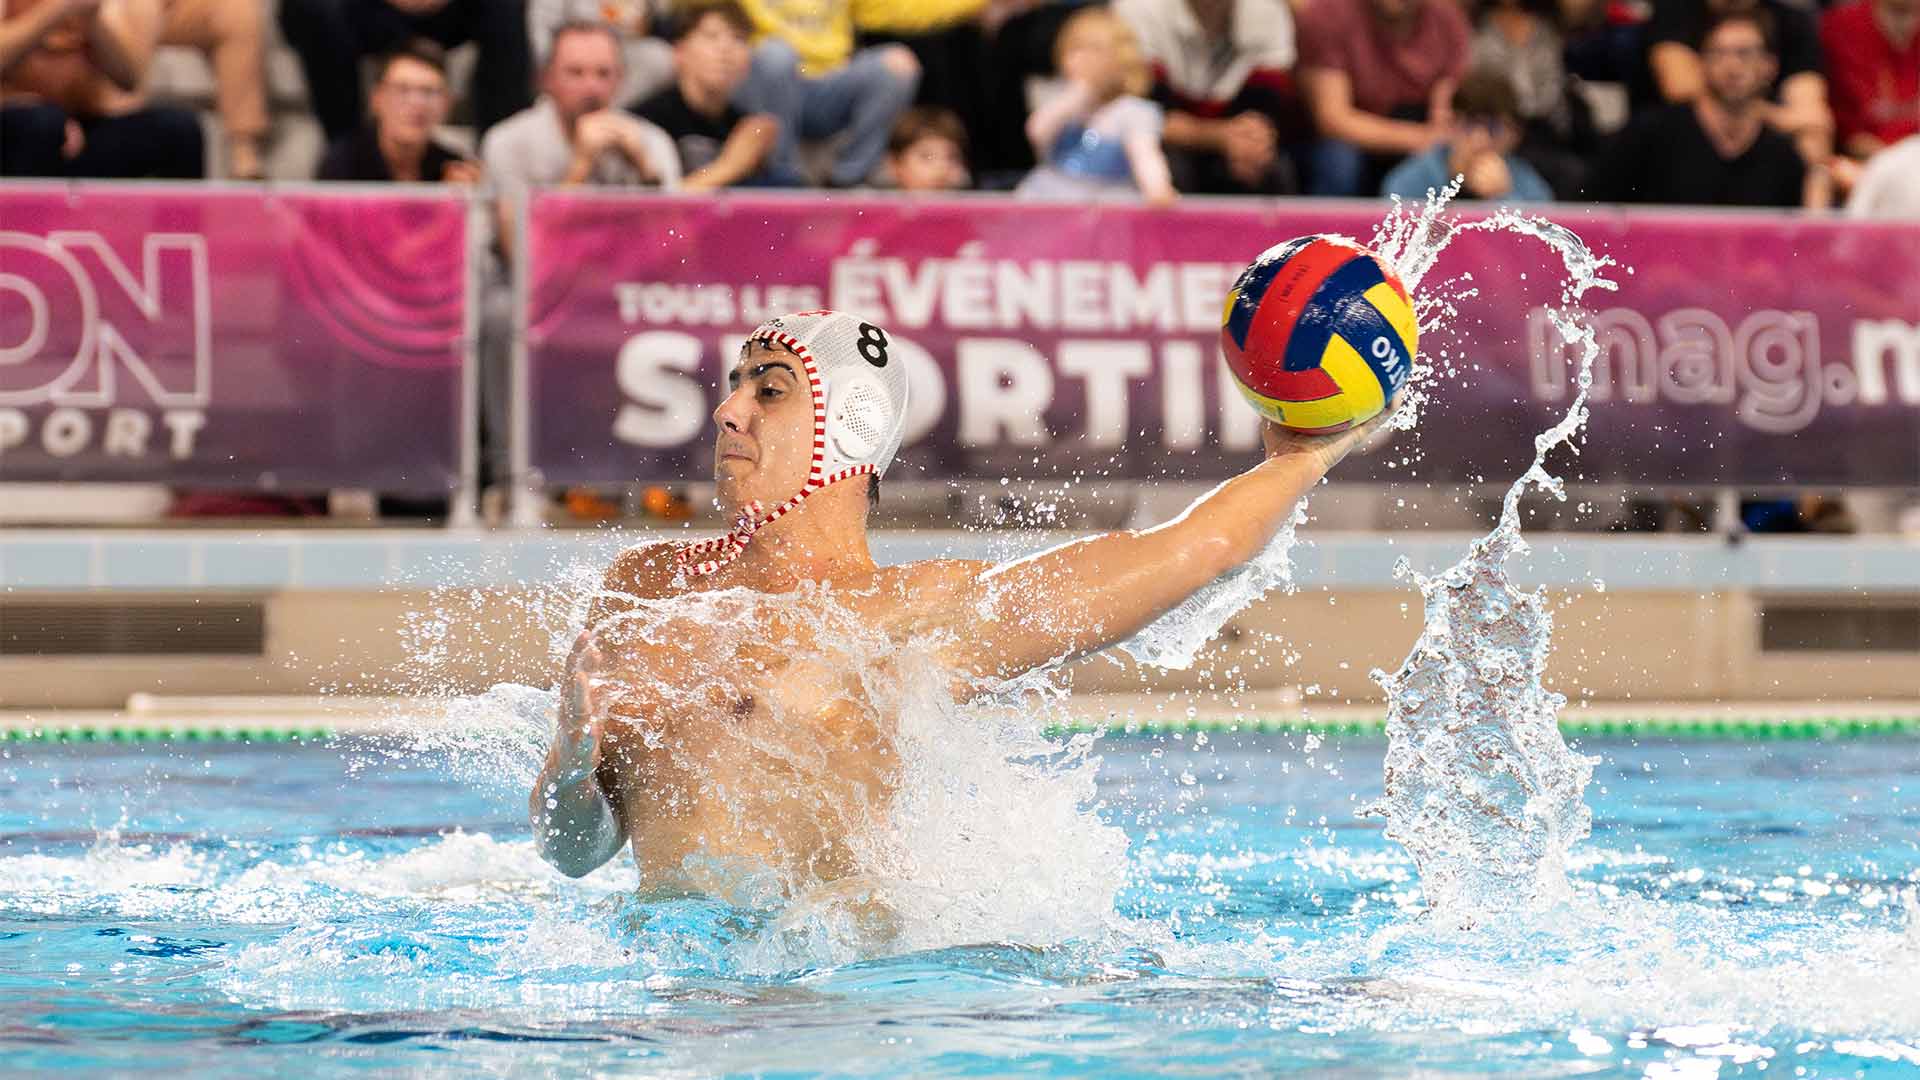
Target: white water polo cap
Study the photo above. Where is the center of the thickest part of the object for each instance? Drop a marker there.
(859, 390)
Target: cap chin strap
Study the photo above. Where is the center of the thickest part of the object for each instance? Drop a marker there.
(708, 556)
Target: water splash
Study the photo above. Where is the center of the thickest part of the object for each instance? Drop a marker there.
(1481, 788)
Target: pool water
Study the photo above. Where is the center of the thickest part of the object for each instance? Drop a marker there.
(217, 910)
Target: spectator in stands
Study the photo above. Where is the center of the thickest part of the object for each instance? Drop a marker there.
(1522, 38)
(572, 134)
(1222, 69)
(409, 102)
(1873, 64)
(719, 145)
(1479, 146)
(331, 37)
(649, 58)
(1379, 76)
(1889, 186)
(232, 35)
(60, 62)
(1794, 101)
(807, 75)
(1098, 136)
(928, 151)
(1718, 150)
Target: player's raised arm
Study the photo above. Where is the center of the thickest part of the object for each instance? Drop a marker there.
(1084, 596)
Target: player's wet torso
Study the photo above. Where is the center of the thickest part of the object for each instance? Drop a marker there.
(744, 742)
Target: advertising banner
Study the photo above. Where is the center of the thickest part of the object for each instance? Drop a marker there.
(200, 336)
(1068, 340)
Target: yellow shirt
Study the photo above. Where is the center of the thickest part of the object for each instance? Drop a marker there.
(912, 16)
(821, 31)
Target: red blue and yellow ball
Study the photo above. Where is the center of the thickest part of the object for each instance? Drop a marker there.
(1319, 334)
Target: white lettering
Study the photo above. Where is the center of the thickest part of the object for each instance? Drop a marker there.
(66, 432)
(666, 404)
(1107, 367)
(183, 425)
(126, 433)
(13, 429)
(1005, 387)
(1183, 405)
(1878, 343)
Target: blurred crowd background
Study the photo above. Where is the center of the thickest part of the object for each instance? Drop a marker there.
(1699, 102)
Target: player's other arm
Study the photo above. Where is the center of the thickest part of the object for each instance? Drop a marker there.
(575, 826)
(1084, 596)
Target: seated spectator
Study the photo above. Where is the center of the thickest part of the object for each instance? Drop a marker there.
(1223, 72)
(1601, 39)
(649, 58)
(1479, 146)
(807, 75)
(331, 37)
(719, 145)
(1794, 101)
(1889, 186)
(1379, 78)
(232, 35)
(61, 61)
(928, 151)
(1098, 136)
(572, 135)
(1718, 150)
(1873, 65)
(1522, 38)
(409, 102)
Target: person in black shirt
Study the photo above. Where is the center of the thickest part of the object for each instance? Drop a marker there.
(409, 101)
(1717, 150)
(712, 54)
(1795, 97)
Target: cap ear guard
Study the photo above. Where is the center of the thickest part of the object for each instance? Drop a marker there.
(860, 419)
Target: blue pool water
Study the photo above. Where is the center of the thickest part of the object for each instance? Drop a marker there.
(233, 910)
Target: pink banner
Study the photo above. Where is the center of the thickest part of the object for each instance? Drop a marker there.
(1054, 340)
(231, 337)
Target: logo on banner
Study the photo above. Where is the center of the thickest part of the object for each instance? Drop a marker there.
(1768, 367)
(99, 357)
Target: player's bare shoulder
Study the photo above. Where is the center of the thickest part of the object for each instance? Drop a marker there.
(643, 572)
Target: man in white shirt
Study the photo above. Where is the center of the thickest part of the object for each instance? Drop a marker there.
(1889, 185)
(573, 134)
(1223, 70)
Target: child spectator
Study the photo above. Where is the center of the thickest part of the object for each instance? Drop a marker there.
(928, 151)
(1223, 71)
(719, 145)
(1098, 135)
(1718, 150)
(60, 62)
(1873, 65)
(1379, 76)
(408, 104)
(1481, 139)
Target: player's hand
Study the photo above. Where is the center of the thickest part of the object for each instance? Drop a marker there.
(1325, 451)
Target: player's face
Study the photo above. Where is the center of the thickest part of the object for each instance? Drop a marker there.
(764, 445)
